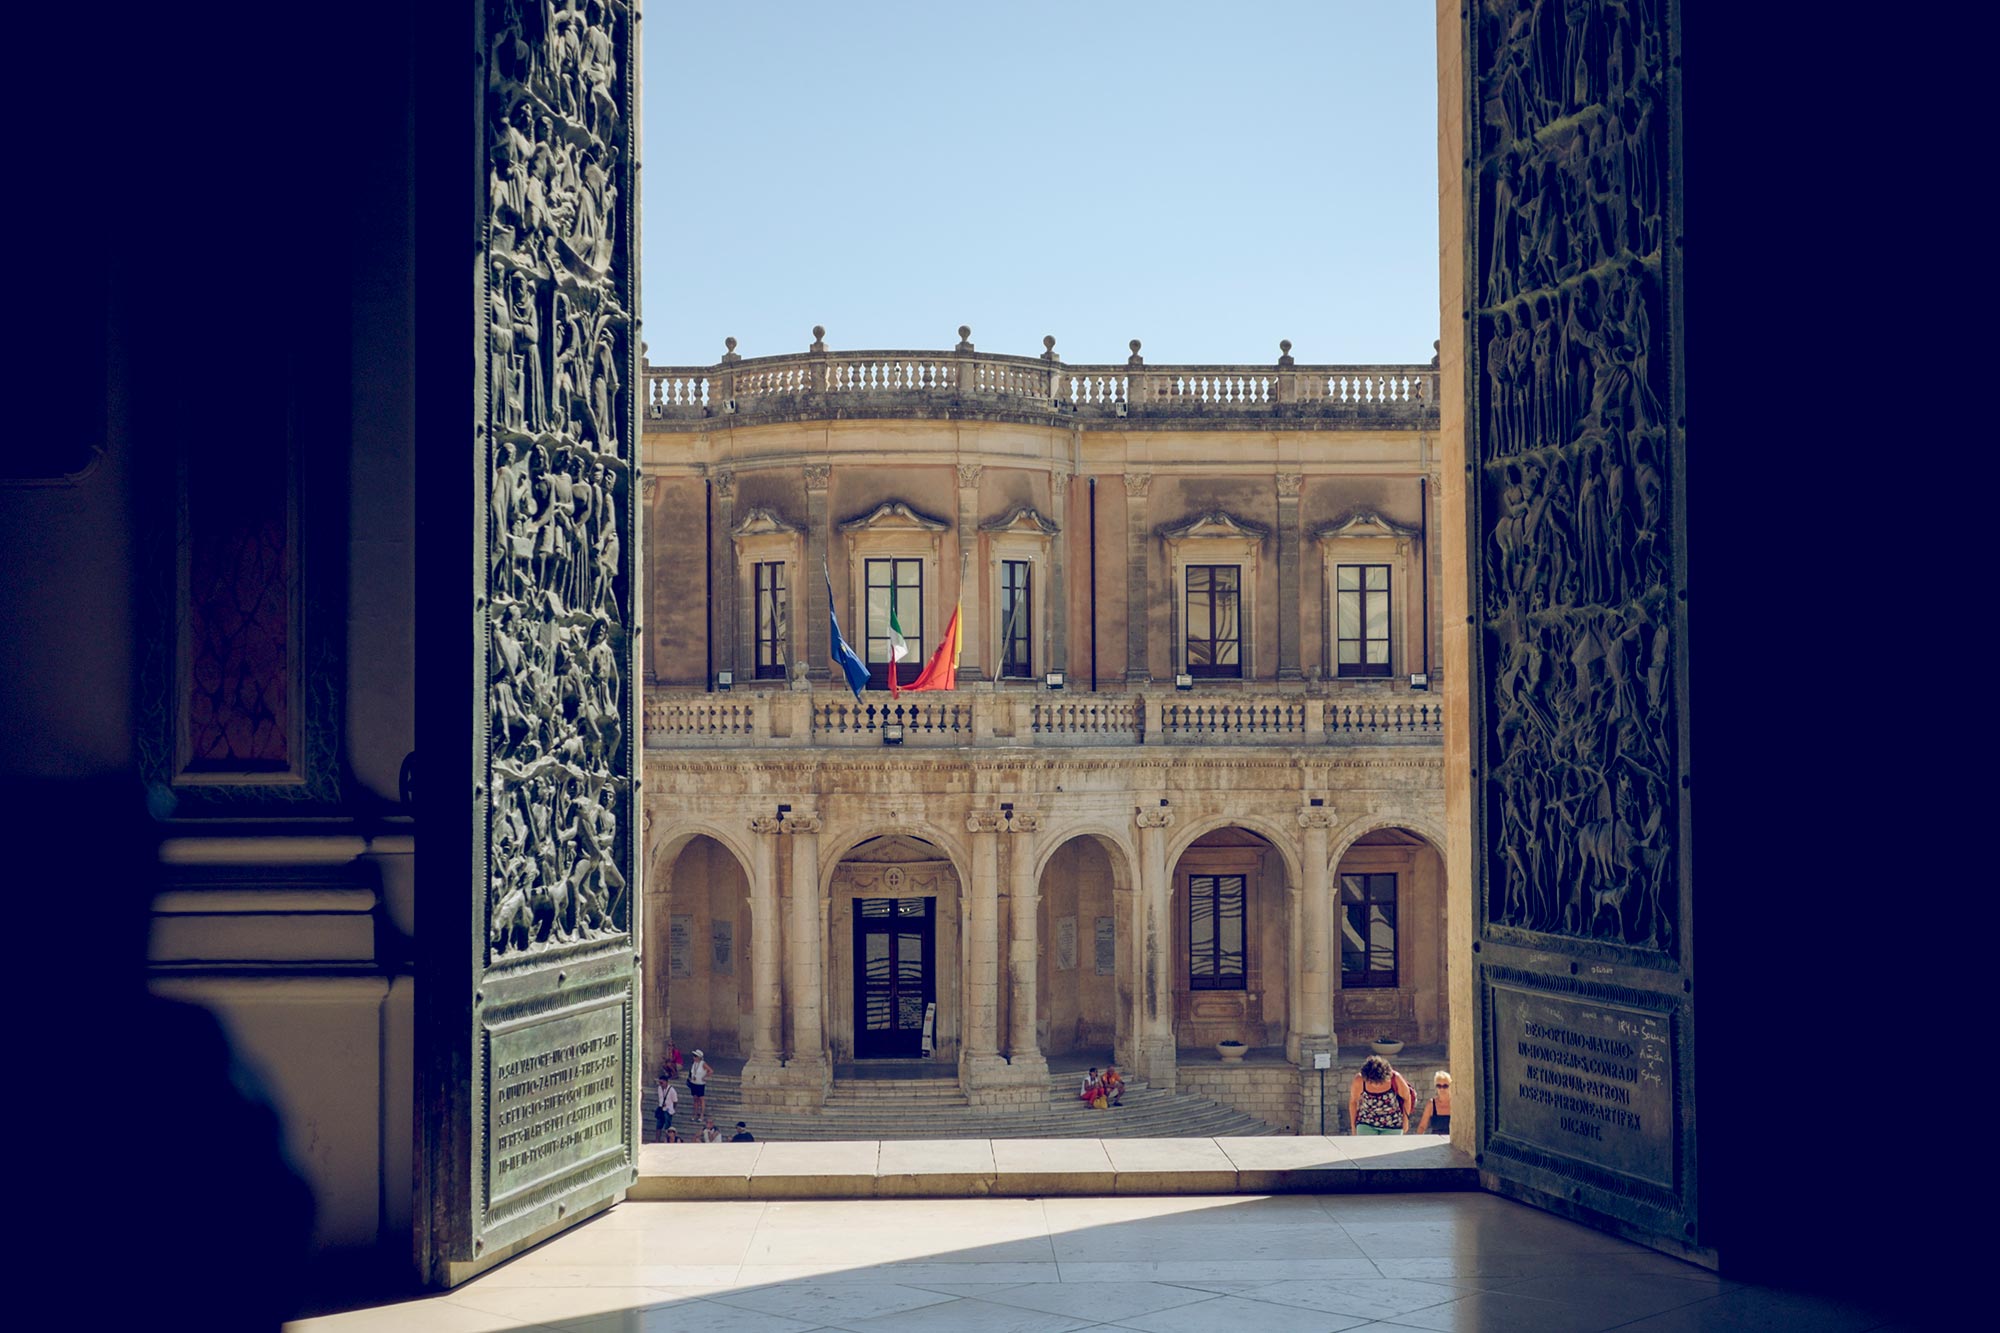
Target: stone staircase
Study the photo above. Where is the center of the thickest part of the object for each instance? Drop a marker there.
(934, 1108)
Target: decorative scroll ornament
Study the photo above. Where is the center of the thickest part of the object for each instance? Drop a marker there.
(1574, 570)
(1316, 816)
(560, 473)
(1154, 818)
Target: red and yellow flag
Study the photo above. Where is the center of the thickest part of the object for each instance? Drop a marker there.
(941, 672)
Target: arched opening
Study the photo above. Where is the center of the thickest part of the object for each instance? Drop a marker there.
(1232, 941)
(1389, 918)
(1084, 999)
(698, 983)
(892, 959)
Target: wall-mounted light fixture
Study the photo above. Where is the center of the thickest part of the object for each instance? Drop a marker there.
(724, 679)
(1184, 681)
(1420, 680)
(1054, 680)
(892, 734)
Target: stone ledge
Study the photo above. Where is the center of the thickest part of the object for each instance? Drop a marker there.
(1030, 1168)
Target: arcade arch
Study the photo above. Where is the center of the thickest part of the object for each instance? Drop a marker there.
(697, 923)
(1084, 981)
(1389, 918)
(893, 953)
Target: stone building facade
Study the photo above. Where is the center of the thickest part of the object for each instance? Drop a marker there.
(1187, 789)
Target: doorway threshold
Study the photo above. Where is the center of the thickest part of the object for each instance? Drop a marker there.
(1035, 1168)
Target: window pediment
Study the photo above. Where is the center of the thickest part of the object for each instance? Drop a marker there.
(1025, 519)
(1365, 524)
(894, 516)
(1215, 523)
(761, 522)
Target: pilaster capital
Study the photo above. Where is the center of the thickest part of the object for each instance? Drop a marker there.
(801, 824)
(1290, 484)
(969, 474)
(767, 824)
(983, 822)
(725, 483)
(1059, 485)
(1315, 816)
(818, 475)
(1136, 484)
(1022, 822)
(648, 488)
(1154, 818)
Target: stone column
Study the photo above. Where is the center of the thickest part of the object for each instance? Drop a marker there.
(762, 1069)
(1024, 1051)
(1315, 984)
(1138, 593)
(972, 664)
(1155, 981)
(1058, 597)
(1290, 619)
(979, 1058)
(723, 624)
(819, 642)
(808, 1064)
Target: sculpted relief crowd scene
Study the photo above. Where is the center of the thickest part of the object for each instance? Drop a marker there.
(1576, 576)
(561, 475)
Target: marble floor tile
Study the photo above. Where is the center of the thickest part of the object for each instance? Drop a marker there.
(1106, 1301)
(1219, 1269)
(1761, 1308)
(433, 1314)
(1372, 1298)
(547, 1305)
(690, 1317)
(1498, 1312)
(1240, 1312)
(966, 1315)
(828, 1302)
(916, 1274)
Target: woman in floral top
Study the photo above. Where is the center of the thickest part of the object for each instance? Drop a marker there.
(1379, 1101)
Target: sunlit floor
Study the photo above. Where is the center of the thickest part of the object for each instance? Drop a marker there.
(1296, 1263)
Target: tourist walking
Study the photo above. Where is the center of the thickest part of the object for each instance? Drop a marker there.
(1379, 1101)
(670, 1101)
(698, 1073)
(1437, 1111)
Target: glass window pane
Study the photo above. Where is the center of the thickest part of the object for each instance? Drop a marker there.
(1226, 577)
(1378, 652)
(1348, 615)
(1353, 889)
(1350, 652)
(1378, 577)
(1347, 576)
(1382, 888)
(1382, 938)
(1353, 947)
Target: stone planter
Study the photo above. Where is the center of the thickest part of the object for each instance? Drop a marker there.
(1232, 1052)
(1386, 1047)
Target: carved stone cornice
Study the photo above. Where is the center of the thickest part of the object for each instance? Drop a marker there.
(1316, 816)
(1213, 523)
(1136, 485)
(818, 475)
(1154, 818)
(969, 474)
(1365, 523)
(1022, 518)
(767, 824)
(894, 516)
(761, 522)
(1290, 484)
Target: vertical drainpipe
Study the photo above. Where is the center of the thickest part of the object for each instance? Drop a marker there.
(1424, 536)
(1093, 585)
(708, 582)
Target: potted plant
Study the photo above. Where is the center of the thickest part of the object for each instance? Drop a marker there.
(1231, 1051)
(1386, 1046)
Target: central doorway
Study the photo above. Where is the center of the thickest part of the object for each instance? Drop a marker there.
(895, 977)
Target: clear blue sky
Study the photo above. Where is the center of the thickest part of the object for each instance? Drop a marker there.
(1205, 178)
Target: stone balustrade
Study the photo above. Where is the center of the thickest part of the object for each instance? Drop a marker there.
(892, 383)
(676, 719)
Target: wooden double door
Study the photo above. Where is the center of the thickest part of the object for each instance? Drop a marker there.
(895, 976)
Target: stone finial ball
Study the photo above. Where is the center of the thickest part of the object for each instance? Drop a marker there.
(1135, 344)
(819, 330)
(729, 343)
(965, 330)
(1048, 342)
(1285, 346)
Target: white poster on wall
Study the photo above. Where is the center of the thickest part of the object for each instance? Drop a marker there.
(680, 945)
(1066, 944)
(1107, 947)
(722, 947)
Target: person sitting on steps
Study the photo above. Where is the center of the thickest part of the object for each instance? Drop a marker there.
(1114, 1086)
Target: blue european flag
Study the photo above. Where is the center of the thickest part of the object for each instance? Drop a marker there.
(845, 658)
